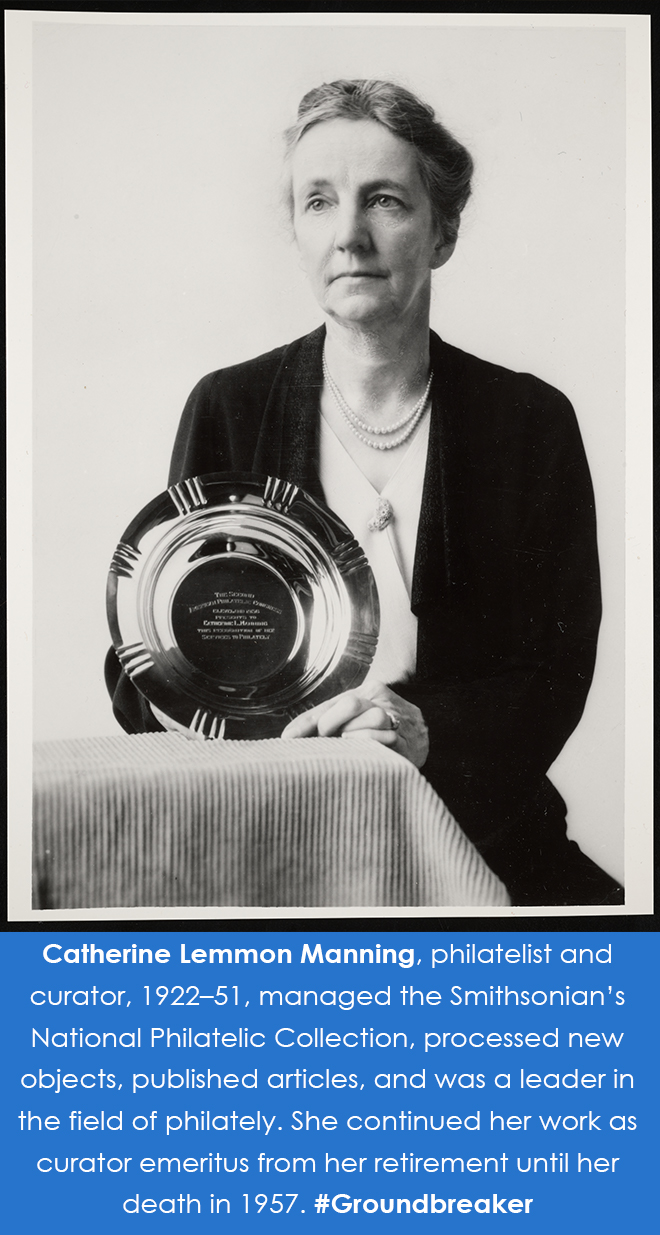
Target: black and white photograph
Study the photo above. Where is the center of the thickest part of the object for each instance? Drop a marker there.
(329, 424)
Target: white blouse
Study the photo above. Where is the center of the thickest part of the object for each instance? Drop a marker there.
(390, 552)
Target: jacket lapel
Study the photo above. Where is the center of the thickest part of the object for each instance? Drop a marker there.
(288, 440)
(433, 572)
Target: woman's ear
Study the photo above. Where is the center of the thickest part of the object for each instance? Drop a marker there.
(442, 252)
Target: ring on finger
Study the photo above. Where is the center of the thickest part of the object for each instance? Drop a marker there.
(395, 721)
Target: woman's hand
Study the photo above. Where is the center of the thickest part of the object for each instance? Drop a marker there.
(371, 711)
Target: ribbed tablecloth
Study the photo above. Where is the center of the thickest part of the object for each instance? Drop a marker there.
(156, 820)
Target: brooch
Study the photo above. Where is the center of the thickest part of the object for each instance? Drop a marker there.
(382, 516)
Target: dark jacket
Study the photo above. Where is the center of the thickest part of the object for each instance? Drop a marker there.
(505, 587)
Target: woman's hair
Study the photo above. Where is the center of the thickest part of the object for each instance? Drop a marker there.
(444, 164)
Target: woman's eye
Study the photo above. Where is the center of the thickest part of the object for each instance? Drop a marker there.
(316, 204)
(386, 202)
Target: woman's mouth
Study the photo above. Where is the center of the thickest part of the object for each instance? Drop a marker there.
(358, 274)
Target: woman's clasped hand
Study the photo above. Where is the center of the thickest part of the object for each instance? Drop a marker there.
(371, 711)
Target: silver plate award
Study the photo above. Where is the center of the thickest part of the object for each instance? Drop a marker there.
(233, 596)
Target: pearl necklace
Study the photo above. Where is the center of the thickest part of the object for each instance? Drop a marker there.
(410, 420)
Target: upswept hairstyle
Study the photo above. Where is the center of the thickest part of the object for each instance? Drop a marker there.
(445, 166)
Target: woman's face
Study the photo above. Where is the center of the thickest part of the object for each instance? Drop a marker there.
(363, 222)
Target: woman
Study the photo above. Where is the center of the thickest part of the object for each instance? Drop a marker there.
(466, 485)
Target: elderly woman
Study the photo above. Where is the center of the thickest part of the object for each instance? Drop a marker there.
(465, 484)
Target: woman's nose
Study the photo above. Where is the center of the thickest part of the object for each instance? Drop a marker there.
(352, 231)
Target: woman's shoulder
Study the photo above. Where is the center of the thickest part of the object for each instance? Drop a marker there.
(252, 378)
(506, 420)
(223, 417)
(493, 385)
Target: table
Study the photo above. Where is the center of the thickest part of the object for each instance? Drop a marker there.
(155, 820)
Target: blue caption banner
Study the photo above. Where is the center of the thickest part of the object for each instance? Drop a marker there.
(281, 1080)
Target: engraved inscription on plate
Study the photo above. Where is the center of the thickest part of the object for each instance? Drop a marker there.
(235, 620)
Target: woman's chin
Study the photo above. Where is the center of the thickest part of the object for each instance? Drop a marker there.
(361, 310)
